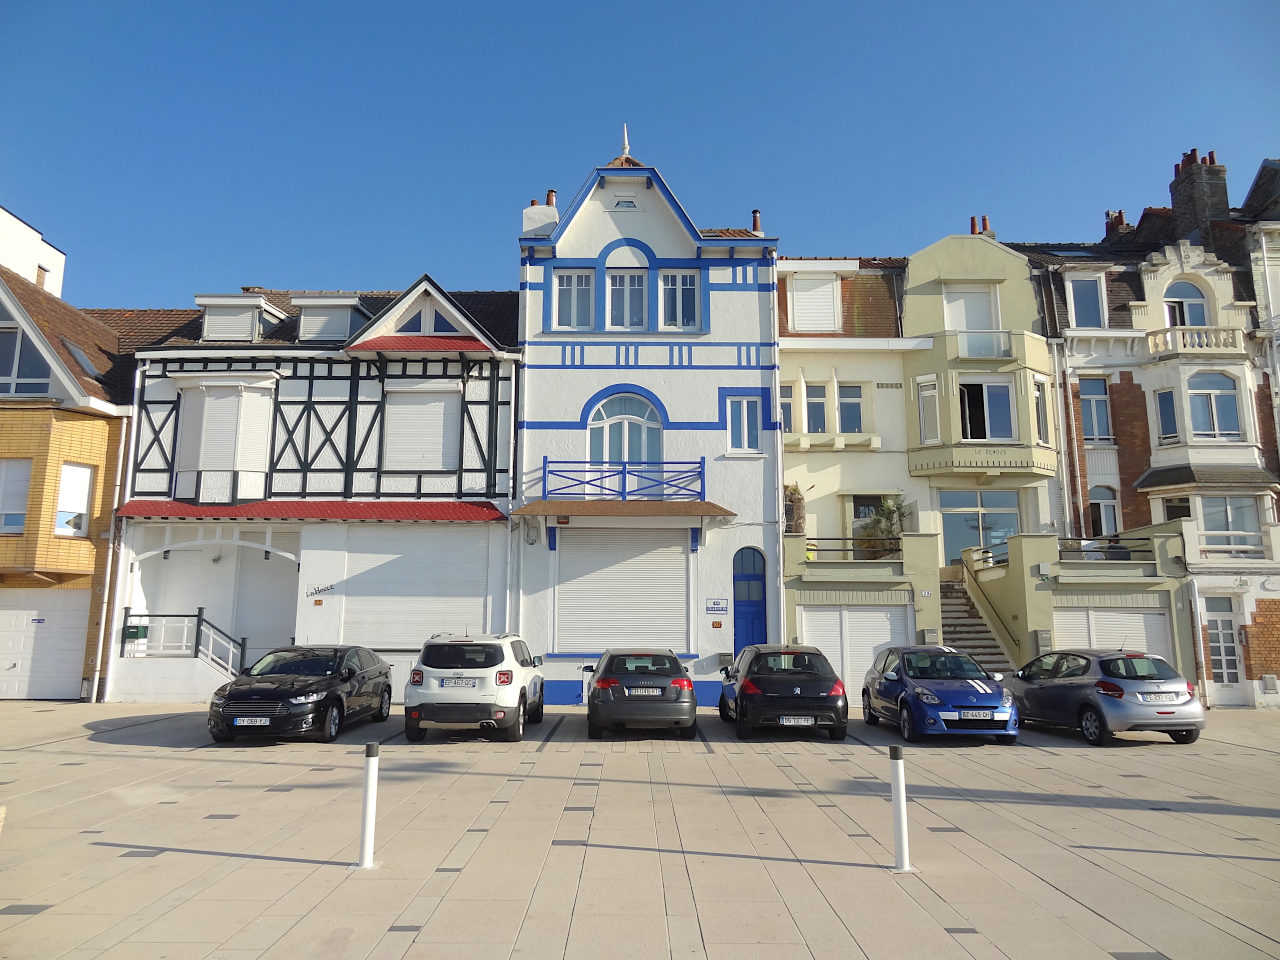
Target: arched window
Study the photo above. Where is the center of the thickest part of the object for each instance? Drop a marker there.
(1215, 413)
(1184, 305)
(625, 429)
(1102, 511)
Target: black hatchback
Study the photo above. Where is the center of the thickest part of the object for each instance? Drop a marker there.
(787, 687)
(302, 691)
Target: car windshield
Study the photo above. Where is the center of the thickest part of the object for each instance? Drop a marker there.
(658, 664)
(461, 656)
(790, 663)
(941, 666)
(1134, 666)
(296, 663)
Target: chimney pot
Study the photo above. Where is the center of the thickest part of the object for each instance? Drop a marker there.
(551, 198)
(1177, 169)
(1194, 156)
(755, 221)
(533, 202)
(986, 224)
(1213, 157)
(973, 225)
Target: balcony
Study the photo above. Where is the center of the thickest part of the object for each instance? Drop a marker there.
(982, 458)
(984, 344)
(879, 561)
(1197, 342)
(615, 480)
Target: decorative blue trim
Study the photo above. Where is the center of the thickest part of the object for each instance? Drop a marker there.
(551, 538)
(693, 539)
(575, 342)
(647, 366)
(707, 692)
(561, 693)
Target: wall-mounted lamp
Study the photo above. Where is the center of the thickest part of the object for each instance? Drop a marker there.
(562, 521)
(266, 554)
(217, 558)
(165, 555)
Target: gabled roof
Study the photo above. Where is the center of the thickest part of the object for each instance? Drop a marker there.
(62, 325)
(1215, 475)
(480, 335)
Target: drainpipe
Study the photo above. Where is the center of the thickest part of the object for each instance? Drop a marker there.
(1273, 366)
(515, 535)
(779, 485)
(1063, 481)
(1195, 632)
(1070, 421)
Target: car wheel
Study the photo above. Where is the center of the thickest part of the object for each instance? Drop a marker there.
(1094, 727)
(838, 733)
(536, 711)
(515, 732)
(594, 730)
(384, 706)
(743, 728)
(332, 724)
(1184, 736)
(221, 736)
(414, 733)
(868, 715)
(907, 724)
(724, 709)
(1007, 739)
(689, 732)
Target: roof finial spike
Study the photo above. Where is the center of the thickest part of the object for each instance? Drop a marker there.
(626, 145)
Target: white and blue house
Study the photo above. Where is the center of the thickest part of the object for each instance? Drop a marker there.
(649, 462)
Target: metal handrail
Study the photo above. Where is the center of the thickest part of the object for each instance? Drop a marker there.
(609, 479)
(181, 635)
(1107, 548)
(973, 578)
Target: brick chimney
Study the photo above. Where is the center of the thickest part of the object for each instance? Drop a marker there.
(1117, 227)
(1199, 194)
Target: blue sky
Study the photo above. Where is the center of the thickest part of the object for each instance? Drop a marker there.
(175, 148)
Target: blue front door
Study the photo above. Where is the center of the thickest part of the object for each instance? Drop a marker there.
(748, 599)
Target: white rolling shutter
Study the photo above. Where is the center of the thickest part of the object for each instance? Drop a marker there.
(822, 627)
(1070, 628)
(254, 430)
(190, 419)
(868, 630)
(404, 584)
(813, 304)
(1133, 629)
(618, 587)
(421, 430)
(15, 486)
(218, 430)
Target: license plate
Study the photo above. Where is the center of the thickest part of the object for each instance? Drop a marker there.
(251, 722)
(975, 714)
(458, 682)
(644, 691)
(796, 721)
(1159, 697)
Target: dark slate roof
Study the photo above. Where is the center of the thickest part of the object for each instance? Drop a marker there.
(497, 313)
(1218, 476)
(1263, 201)
(60, 324)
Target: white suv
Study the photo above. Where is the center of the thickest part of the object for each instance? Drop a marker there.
(490, 682)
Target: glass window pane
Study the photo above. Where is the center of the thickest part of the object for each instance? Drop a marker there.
(583, 317)
(1215, 513)
(1000, 499)
(653, 444)
(689, 304)
(959, 531)
(597, 444)
(8, 349)
(1217, 604)
(668, 303)
(635, 442)
(616, 449)
(1093, 387)
(637, 304)
(850, 417)
(617, 317)
(564, 306)
(753, 425)
(1244, 514)
(957, 498)
(735, 424)
(1211, 381)
(1168, 415)
(1201, 414)
(1228, 418)
(1085, 303)
(999, 412)
(1182, 290)
(31, 365)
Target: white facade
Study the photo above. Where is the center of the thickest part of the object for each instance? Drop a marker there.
(24, 250)
(650, 448)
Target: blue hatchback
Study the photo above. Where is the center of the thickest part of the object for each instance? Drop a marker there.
(935, 690)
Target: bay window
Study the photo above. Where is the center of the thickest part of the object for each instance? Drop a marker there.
(1214, 412)
(986, 411)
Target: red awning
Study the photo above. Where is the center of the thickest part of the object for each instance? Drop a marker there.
(419, 345)
(393, 511)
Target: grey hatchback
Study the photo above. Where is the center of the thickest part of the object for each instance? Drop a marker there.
(641, 687)
(1108, 691)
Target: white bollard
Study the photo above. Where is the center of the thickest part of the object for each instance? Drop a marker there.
(898, 783)
(370, 805)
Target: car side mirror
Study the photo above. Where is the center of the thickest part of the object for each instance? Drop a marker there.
(589, 669)
(537, 661)
(349, 673)
(997, 677)
(1018, 674)
(891, 675)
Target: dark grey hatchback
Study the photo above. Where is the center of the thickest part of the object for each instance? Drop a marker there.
(302, 691)
(641, 687)
(770, 685)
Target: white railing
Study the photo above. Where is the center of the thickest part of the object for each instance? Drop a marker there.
(1195, 339)
(1233, 545)
(181, 635)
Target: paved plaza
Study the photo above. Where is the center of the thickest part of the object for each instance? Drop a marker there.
(130, 835)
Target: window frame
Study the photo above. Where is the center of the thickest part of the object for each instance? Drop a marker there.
(681, 322)
(1040, 410)
(979, 510)
(986, 384)
(786, 397)
(25, 349)
(1163, 437)
(852, 404)
(9, 483)
(817, 284)
(812, 403)
(649, 430)
(927, 399)
(1175, 308)
(742, 415)
(1212, 396)
(575, 321)
(453, 413)
(632, 320)
(1105, 522)
(1100, 282)
(87, 477)
(1091, 402)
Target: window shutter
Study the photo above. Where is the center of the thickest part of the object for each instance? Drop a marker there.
(190, 423)
(421, 431)
(74, 488)
(15, 480)
(970, 309)
(218, 433)
(814, 305)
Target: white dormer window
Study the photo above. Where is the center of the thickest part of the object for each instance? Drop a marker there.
(329, 316)
(815, 303)
(237, 317)
(1184, 305)
(1086, 302)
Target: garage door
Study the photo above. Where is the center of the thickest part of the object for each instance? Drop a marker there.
(1131, 629)
(405, 583)
(851, 636)
(42, 637)
(618, 587)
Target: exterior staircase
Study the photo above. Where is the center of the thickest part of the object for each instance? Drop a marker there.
(964, 629)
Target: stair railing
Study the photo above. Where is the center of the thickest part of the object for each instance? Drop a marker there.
(181, 635)
(1009, 638)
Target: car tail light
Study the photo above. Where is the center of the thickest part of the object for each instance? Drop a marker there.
(416, 678)
(682, 683)
(503, 677)
(604, 683)
(837, 690)
(749, 687)
(1110, 689)
(1191, 689)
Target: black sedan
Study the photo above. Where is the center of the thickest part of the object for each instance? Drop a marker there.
(776, 686)
(302, 691)
(641, 687)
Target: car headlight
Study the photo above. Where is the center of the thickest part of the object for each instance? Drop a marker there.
(307, 698)
(926, 697)
(1006, 699)
(219, 697)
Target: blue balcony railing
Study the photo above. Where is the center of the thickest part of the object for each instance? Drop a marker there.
(614, 480)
